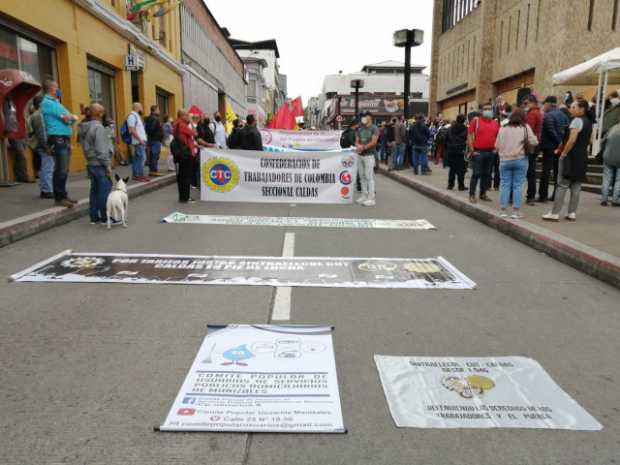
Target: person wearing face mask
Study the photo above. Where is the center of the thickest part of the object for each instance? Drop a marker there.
(555, 123)
(219, 131)
(481, 137)
(366, 140)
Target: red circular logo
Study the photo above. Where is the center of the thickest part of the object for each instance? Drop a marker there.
(345, 191)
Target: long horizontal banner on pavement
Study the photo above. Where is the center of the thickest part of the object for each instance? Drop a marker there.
(288, 177)
(260, 378)
(301, 140)
(405, 273)
(297, 222)
(485, 392)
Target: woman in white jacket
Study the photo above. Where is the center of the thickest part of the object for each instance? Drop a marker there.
(513, 142)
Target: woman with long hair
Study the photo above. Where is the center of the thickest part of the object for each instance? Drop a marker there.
(573, 161)
(513, 143)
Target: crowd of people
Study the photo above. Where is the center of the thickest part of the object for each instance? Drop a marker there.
(500, 144)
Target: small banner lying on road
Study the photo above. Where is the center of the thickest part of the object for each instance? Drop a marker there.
(420, 273)
(298, 177)
(297, 222)
(502, 392)
(261, 378)
(301, 140)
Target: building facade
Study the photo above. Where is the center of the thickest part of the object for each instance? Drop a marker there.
(382, 94)
(484, 49)
(215, 72)
(83, 44)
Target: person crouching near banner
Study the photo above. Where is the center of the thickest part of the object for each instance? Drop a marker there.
(366, 140)
(184, 152)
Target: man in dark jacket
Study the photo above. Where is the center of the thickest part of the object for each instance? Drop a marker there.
(251, 138)
(456, 145)
(419, 135)
(235, 140)
(554, 127)
(347, 139)
(154, 138)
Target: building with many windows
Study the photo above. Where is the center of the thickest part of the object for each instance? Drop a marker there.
(486, 48)
(84, 45)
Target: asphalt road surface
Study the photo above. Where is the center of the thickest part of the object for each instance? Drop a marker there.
(87, 370)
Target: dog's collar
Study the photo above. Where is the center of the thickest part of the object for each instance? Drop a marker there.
(118, 190)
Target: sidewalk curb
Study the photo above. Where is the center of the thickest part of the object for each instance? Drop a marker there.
(34, 223)
(582, 257)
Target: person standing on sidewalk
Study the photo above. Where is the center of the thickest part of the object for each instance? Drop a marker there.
(184, 152)
(58, 121)
(611, 166)
(366, 141)
(573, 161)
(155, 137)
(138, 142)
(420, 135)
(456, 145)
(554, 128)
(400, 144)
(219, 131)
(38, 143)
(534, 119)
(98, 150)
(250, 136)
(481, 137)
(512, 145)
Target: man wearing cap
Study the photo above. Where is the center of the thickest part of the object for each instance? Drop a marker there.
(366, 140)
(554, 127)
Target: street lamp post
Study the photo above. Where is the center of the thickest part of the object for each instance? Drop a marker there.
(408, 38)
(357, 84)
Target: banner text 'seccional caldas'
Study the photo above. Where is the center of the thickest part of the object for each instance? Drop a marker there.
(404, 273)
(261, 378)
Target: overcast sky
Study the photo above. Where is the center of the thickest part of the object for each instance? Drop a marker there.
(321, 37)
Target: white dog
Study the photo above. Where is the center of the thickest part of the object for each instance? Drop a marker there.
(117, 203)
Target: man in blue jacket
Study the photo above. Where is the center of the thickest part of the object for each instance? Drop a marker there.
(555, 123)
(58, 121)
(419, 136)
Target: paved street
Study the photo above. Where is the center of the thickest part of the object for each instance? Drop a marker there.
(87, 370)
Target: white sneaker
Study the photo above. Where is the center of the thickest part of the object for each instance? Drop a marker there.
(571, 217)
(551, 217)
(361, 199)
(516, 216)
(369, 203)
(503, 215)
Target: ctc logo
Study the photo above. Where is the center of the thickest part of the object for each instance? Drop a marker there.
(220, 174)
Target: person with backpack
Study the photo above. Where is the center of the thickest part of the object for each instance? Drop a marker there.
(155, 138)
(184, 152)
(38, 144)
(347, 138)
(455, 147)
(135, 127)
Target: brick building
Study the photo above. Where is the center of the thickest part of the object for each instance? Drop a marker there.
(486, 48)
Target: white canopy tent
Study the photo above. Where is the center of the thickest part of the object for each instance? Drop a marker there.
(600, 71)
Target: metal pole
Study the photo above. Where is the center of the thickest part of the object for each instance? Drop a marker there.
(357, 98)
(407, 91)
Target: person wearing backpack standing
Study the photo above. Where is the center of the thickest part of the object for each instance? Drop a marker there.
(155, 138)
(38, 138)
(482, 134)
(135, 126)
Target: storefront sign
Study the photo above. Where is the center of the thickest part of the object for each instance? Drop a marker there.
(288, 177)
(297, 222)
(420, 273)
(487, 392)
(302, 140)
(261, 378)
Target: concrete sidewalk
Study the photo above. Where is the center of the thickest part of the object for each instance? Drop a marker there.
(24, 213)
(590, 244)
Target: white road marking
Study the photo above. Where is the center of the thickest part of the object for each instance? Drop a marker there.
(281, 310)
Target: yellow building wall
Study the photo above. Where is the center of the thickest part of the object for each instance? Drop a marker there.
(81, 36)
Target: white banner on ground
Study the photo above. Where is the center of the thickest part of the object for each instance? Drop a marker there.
(298, 177)
(297, 222)
(488, 392)
(301, 140)
(261, 378)
(383, 273)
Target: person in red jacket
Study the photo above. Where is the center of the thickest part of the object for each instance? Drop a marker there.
(534, 119)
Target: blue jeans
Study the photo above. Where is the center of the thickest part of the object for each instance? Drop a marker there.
(420, 158)
(512, 176)
(137, 164)
(481, 171)
(46, 172)
(100, 187)
(399, 156)
(154, 150)
(608, 175)
(61, 151)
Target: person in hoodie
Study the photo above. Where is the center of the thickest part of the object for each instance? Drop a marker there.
(456, 145)
(98, 150)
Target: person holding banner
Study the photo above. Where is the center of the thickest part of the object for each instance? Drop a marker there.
(366, 140)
